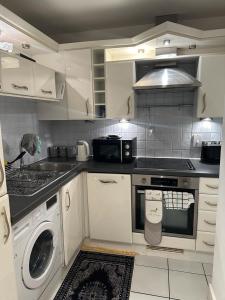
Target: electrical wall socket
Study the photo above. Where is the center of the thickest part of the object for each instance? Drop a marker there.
(196, 140)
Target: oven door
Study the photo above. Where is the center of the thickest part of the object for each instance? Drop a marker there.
(177, 223)
(107, 150)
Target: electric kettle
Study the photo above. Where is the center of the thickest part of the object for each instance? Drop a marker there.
(83, 151)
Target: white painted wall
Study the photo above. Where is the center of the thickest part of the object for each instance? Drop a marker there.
(218, 282)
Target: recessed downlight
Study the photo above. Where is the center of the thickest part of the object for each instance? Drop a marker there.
(25, 46)
(166, 42)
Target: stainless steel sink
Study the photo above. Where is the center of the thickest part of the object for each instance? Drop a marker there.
(51, 166)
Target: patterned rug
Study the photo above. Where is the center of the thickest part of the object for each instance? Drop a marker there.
(98, 276)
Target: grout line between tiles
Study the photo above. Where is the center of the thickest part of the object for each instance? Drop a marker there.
(149, 295)
(205, 274)
(166, 268)
(167, 261)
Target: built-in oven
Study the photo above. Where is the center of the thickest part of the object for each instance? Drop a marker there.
(175, 222)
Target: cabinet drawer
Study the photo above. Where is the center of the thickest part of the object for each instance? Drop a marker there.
(207, 221)
(205, 241)
(209, 186)
(208, 202)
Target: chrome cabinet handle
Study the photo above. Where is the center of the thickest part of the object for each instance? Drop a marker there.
(107, 181)
(68, 196)
(46, 92)
(208, 244)
(5, 217)
(204, 103)
(19, 87)
(210, 203)
(209, 223)
(2, 176)
(214, 187)
(87, 106)
(128, 105)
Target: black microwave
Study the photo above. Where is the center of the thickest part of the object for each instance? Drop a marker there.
(114, 149)
(210, 153)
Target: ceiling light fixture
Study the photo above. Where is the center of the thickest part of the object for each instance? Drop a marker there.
(206, 119)
(192, 46)
(124, 121)
(166, 42)
(141, 51)
(25, 46)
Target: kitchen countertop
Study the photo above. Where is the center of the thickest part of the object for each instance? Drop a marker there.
(20, 206)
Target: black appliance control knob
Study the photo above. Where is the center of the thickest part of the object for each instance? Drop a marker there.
(127, 153)
(127, 146)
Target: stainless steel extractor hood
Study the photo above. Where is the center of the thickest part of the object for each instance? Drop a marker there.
(165, 77)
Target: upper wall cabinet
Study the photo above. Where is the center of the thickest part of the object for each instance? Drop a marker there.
(120, 77)
(79, 84)
(211, 94)
(44, 82)
(17, 75)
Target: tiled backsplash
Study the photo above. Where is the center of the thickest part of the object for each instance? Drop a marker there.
(164, 131)
(18, 116)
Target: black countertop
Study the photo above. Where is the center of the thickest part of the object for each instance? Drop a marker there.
(20, 206)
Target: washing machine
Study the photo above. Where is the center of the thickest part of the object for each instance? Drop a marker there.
(38, 249)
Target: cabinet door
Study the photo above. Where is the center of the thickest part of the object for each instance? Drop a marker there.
(17, 75)
(120, 77)
(109, 203)
(7, 274)
(72, 201)
(79, 84)
(211, 95)
(44, 82)
(3, 189)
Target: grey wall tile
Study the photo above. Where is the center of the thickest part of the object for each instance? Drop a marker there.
(161, 131)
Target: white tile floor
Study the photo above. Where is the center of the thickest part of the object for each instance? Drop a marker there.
(156, 278)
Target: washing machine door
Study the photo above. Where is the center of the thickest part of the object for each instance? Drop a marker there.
(39, 256)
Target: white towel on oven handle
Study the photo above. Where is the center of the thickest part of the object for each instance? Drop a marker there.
(153, 195)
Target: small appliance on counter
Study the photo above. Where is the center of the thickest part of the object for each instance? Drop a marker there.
(210, 152)
(114, 149)
(65, 152)
(83, 151)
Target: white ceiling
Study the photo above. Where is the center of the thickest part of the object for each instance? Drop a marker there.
(58, 17)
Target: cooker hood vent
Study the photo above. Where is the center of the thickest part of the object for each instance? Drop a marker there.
(167, 76)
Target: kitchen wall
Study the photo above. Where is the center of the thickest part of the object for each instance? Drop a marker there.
(18, 116)
(163, 126)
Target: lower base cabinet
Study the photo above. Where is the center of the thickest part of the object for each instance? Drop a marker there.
(7, 273)
(72, 216)
(109, 204)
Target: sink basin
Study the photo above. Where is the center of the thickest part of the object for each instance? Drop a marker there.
(51, 166)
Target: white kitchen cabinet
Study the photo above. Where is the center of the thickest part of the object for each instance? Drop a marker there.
(209, 186)
(72, 215)
(109, 204)
(120, 77)
(17, 75)
(211, 73)
(79, 90)
(208, 198)
(7, 274)
(44, 82)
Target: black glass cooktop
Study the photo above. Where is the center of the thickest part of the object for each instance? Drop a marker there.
(164, 164)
